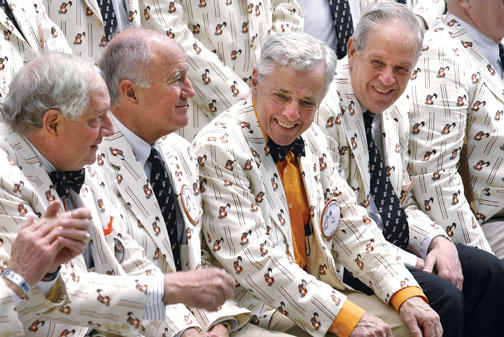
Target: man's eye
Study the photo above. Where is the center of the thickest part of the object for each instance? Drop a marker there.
(282, 97)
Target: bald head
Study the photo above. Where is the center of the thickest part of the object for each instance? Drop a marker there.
(132, 55)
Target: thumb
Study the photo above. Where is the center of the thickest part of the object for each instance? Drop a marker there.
(52, 209)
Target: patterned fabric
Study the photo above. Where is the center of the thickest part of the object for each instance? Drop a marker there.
(395, 224)
(343, 25)
(32, 32)
(278, 152)
(107, 299)
(82, 24)
(143, 221)
(456, 106)
(247, 227)
(6, 8)
(109, 18)
(341, 119)
(166, 199)
(65, 180)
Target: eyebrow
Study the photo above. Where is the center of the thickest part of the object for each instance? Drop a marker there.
(305, 98)
(173, 77)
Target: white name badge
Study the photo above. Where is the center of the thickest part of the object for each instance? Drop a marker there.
(190, 203)
(330, 218)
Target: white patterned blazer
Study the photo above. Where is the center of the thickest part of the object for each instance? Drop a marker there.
(222, 40)
(456, 101)
(340, 117)
(36, 33)
(102, 299)
(246, 223)
(82, 25)
(10, 326)
(144, 221)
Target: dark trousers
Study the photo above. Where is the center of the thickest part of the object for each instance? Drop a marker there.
(477, 311)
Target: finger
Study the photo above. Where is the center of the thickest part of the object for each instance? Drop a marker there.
(429, 264)
(77, 246)
(29, 221)
(80, 213)
(52, 209)
(73, 234)
(76, 223)
(414, 328)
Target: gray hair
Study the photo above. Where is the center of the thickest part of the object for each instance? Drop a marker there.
(298, 50)
(385, 12)
(51, 81)
(127, 59)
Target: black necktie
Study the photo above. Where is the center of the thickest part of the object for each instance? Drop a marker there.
(5, 6)
(343, 25)
(278, 152)
(395, 224)
(501, 55)
(63, 181)
(165, 196)
(109, 18)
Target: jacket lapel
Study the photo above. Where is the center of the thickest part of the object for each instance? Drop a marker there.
(136, 191)
(25, 18)
(95, 8)
(353, 125)
(7, 23)
(274, 196)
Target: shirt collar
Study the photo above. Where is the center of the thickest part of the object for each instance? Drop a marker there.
(46, 164)
(488, 46)
(141, 148)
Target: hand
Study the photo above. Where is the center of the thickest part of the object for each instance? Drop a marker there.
(370, 325)
(218, 330)
(41, 246)
(420, 263)
(443, 256)
(191, 332)
(206, 289)
(419, 317)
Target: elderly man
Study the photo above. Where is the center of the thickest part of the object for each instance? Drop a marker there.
(156, 175)
(56, 114)
(456, 102)
(51, 241)
(222, 41)
(273, 199)
(381, 56)
(341, 16)
(27, 30)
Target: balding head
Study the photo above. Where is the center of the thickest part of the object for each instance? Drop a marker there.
(131, 55)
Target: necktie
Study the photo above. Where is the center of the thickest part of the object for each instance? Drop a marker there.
(109, 18)
(165, 196)
(278, 152)
(299, 211)
(395, 224)
(66, 180)
(343, 25)
(5, 6)
(501, 55)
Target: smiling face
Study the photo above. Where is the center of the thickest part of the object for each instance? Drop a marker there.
(163, 105)
(287, 99)
(381, 70)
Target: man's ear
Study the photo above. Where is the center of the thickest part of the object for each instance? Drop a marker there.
(254, 82)
(51, 122)
(128, 91)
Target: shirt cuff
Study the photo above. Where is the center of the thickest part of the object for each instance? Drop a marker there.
(347, 319)
(404, 294)
(154, 308)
